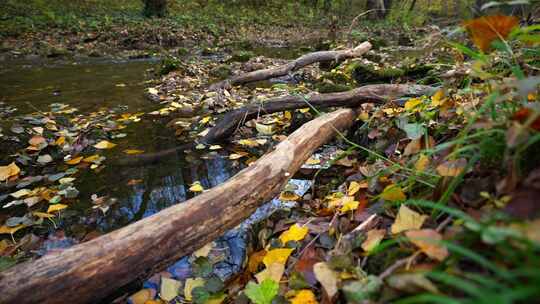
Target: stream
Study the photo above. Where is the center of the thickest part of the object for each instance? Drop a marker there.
(133, 192)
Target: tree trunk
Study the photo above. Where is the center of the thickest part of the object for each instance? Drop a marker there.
(88, 272)
(155, 8)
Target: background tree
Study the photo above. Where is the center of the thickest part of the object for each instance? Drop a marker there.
(155, 8)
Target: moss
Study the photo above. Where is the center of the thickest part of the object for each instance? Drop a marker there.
(241, 56)
(329, 87)
(170, 64)
(364, 73)
(221, 72)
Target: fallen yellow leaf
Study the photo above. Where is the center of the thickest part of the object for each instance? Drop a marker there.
(273, 272)
(422, 163)
(104, 145)
(353, 188)
(74, 161)
(133, 151)
(393, 193)
(10, 230)
(279, 255)
(349, 206)
(429, 241)
(196, 187)
(452, 167)
(374, 237)
(56, 207)
(8, 171)
(91, 159)
(412, 104)
(407, 219)
(294, 233)
(327, 277)
(304, 296)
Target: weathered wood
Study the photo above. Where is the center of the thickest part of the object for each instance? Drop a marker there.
(88, 272)
(292, 66)
(377, 93)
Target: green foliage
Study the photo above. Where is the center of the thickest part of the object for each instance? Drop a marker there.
(262, 293)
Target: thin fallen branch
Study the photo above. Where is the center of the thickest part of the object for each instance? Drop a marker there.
(292, 66)
(225, 127)
(88, 272)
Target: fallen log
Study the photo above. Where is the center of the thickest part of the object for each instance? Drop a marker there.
(292, 66)
(225, 127)
(90, 271)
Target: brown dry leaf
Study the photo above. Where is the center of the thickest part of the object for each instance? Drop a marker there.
(305, 264)
(452, 167)
(327, 277)
(428, 240)
(407, 219)
(273, 272)
(374, 237)
(413, 147)
(485, 30)
(8, 171)
(255, 259)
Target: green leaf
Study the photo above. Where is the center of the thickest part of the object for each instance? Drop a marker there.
(202, 267)
(262, 293)
(359, 291)
(413, 130)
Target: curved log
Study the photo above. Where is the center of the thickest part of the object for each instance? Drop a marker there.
(90, 271)
(292, 66)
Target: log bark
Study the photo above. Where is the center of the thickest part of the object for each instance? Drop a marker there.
(225, 127)
(292, 66)
(88, 272)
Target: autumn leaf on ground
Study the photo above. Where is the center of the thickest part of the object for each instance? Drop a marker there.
(412, 104)
(279, 255)
(262, 293)
(104, 145)
(305, 264)
(74, 161)
(10, 230)
(485, 30)
(204, 251)
(273, 272)
(428, 240)
(353, 188)
(304, 296)
(327, 277)
(422, 163)
(374, 237)
(255, 259)
(523, 114)
(349, 206)
(452, 167)
(8, 171)
(133, 151)
(393, 193)
(438, 98)
(407, 219)
(294, 233)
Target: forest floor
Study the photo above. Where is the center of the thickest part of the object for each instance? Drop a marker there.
(429, 198)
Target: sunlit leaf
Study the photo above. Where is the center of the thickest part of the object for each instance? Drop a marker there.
(74, 161)
(412, 104)
(56, 207)
(279, 255)
(349, 206)
(407, 219)
(374, 237)
(327, 277)
(10, 230)
(170, 289)
(393, 193)
(304, 296)
(294, 233)
(196, 187)
(9, 171)
(262, 293)
(133, 151)
(486, 29)
(104, 145)
(452, 167)
(273, 272)
(428, 240)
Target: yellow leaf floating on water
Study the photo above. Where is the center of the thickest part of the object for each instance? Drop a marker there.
(485, 30)
(74, 161)
(104, 145)
(133, 151)
(190, 285)
(294, 233)
(8, 171)
(393, 193)
(279, 255)
(412, 104)
(56, 207)
(407, 219)
(374, 237)
(196, 187)
(428, 240)
(273, 272)
(304, 296)
(91, 159)
(10, 230)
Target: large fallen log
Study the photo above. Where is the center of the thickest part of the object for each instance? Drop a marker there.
(292, 66)
(377, 93)
(90, 271)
